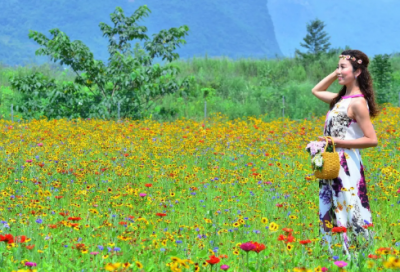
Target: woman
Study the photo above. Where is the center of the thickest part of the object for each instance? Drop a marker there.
(343, 202)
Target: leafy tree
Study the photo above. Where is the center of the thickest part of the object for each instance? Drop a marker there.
(316, 41)
(382, 70)
(131, 78)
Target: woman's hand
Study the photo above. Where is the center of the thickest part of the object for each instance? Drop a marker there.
(335, 140)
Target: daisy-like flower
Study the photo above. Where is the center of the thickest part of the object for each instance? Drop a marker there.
(359, 61)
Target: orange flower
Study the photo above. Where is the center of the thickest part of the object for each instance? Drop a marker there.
(30, 247)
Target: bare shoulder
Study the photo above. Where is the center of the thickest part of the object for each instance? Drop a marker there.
(359, 107)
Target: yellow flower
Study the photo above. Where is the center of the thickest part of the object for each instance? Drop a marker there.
(273, 226)
(264, 220)
(112, 267)
(175, 259)
(289, 247)
(139, 265)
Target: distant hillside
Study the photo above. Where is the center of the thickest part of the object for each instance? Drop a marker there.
(218, 28)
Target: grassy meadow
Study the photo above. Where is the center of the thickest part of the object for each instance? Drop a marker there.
(96, 195)
(236, 88)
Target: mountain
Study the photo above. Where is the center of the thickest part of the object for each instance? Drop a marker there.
(217, 28)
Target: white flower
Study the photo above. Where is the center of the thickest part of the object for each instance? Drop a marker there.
(318, 160)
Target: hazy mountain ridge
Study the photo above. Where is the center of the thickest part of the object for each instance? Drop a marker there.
(223, 28)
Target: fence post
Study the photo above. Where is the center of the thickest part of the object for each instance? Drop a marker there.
(12, 114)
(283, 106)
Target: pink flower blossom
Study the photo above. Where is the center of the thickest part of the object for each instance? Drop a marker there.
(247, 246)
(30, 264)
(94, 253)
(143, 194)
(40, 144)
(340, 264)
(29, 161)
(225, 267)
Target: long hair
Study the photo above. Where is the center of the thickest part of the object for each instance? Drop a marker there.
(364, 81)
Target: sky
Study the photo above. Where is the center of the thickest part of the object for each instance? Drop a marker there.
(371, 26)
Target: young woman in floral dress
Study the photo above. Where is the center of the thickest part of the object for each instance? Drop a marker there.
(343, 201)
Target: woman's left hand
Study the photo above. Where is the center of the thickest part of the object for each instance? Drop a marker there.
(335, 140)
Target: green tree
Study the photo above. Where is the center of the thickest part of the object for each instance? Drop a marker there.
(316, 41)
(131, 79)
(382, 70)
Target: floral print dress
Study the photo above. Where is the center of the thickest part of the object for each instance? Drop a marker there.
(343, 201)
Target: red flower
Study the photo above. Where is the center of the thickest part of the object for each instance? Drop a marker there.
(290, 239)
(288, 230)
(282, 237)
(58, 197)
(339, 229)
(368, 226)
(371, 256)
(20, 239)
(74, 218)
(8, 238)
(259, 247)
(161, 214)
(64, 214)
(213, 260)
(148, 185)
(304, 242)
(123, 223)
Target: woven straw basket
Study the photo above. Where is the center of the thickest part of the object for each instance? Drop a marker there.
(331, 166)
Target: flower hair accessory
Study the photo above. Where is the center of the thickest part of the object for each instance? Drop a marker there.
(348, 57)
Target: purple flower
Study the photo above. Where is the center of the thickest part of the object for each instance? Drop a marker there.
(247, 246)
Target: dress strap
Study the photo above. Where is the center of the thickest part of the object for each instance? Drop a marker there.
(349, 96)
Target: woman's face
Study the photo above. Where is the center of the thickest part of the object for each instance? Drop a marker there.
(344, 71)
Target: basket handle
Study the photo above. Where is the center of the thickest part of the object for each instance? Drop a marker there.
(333, 144)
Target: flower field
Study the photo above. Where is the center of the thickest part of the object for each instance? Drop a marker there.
(93, 195)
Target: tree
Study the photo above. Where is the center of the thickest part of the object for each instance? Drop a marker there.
(130, 79)
(382, 70)
(316, 41)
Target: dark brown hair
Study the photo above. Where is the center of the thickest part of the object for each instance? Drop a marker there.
(364, 81)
